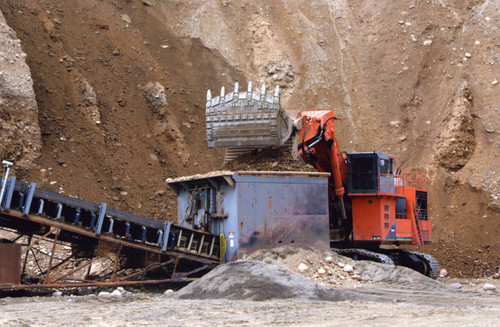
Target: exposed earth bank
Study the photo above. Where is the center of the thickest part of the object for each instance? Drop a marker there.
(120, 85)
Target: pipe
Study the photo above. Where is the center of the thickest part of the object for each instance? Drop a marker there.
(92, 220)
(77, 217)
(40, 208)
(160, 236)
(21, 201)
(7, 165)
(59, 211)
(111, 223)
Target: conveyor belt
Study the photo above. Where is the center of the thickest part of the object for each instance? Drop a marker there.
(30, 211)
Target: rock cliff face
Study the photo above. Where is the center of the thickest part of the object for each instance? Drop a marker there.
(120, 87)
(19, 131)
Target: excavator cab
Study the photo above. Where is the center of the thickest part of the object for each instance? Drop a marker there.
(370, 172)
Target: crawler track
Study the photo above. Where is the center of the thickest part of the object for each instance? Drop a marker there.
(424, 263)
(363, 254)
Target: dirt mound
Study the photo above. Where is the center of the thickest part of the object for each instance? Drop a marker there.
(254, 280)
(325, 267)
(331, 269)
(268, 159)
(395, 275)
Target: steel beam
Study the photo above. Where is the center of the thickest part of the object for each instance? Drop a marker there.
(29, 198)
(100, 218)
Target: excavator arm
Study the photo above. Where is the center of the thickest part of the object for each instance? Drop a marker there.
(317, 145)
(242, 121)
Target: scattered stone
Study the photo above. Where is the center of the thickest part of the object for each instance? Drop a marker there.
(321, 271)
(169, 291)
(477, 43)
(443, 273)
(328, 259)
(57, 293)
(489, 287)
(302, 267)
(348, 268)
(468, 55)
(280, 71)
(156, 97)
(116, 293)
(395, 123)
(103, 294)
(356, 277)
(160, 192)
(427, 42)
(341, 264)
(126, 19)
(146, 3)
(494, 82)
(456, 285)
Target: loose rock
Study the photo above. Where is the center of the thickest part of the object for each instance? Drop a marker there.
(303, 267)
(489, 287)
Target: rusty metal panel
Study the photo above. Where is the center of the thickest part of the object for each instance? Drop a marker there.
(10, 263)
(279, 210)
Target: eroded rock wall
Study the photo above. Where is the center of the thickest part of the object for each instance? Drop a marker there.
(19, 131)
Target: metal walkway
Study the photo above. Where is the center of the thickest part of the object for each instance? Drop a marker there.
(141, 250)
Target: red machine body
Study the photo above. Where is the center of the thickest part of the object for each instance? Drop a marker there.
(370, 202)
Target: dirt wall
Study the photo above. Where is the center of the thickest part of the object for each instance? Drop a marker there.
(120, 91)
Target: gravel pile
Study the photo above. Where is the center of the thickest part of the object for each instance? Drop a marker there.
(254, 280)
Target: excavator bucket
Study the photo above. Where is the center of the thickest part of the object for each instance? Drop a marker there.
(246, 120)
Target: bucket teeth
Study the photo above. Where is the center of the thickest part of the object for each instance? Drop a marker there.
(277, 91)
(244, 119)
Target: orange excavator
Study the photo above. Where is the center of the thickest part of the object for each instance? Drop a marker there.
(373, 207)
